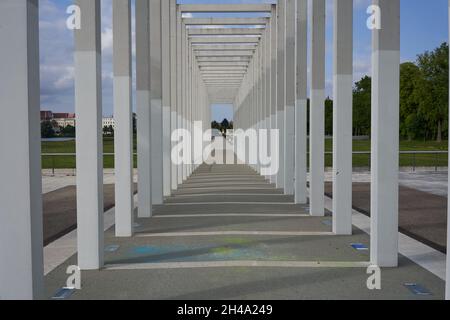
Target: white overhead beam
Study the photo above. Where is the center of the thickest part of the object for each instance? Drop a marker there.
(225, 21)
(222, 40)
(250, 30)
(223, 47)
(224, 53)
(222, 64)
(223, 59)
(225, 8)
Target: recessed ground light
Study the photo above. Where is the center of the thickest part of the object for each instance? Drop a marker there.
(63, 294)
(359, 247)
(327, 222)
(112, 248)
(417, 289)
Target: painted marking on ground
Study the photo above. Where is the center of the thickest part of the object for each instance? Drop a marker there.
(233, 233)
(238, 264)
(421, 254)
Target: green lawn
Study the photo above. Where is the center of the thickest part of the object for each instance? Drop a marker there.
(406, 160)
(441, 160)
(68, 162)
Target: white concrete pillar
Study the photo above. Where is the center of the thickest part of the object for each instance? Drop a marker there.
(179, 84)
(89, 143)
(123, 117)
(166, 96)
(184, 96)
(281, 82)
(274, 77)
(267, 87)
(289, 115)
(385, 135)
(156, 116)
(301, 114)
(173, 85)
(143, 108)
(21, 253)
(317, 109)
(342, 116)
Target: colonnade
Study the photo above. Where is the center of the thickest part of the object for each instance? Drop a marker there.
(183, 65)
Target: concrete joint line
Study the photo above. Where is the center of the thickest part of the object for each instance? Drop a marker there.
(239, 264)
(231, 215)
(233, 233)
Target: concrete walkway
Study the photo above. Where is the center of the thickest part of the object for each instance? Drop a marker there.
(227, 233)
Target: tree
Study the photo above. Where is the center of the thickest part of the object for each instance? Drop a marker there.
(432, 89)
(412, 124)
(225, 125)
(108, 131)
(328, 116)
(215, 125)
(68, 132)
(362, 95)
(47, 130)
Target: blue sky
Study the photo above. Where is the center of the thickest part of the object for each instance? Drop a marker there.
(424, 26)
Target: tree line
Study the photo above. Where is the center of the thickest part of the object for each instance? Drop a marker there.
(423, 99)
(223, 126)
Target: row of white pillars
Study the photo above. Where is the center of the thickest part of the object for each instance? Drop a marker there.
(386, 75)
(23, 273)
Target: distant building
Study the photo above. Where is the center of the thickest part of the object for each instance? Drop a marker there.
(46, 115)
(64, 119)
(64, 115)
(108, 122)
(65, 122)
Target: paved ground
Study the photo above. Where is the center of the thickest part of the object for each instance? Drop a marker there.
(423, 179)
(229, 234)
(422, 215)
(60, 211)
